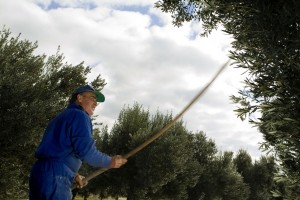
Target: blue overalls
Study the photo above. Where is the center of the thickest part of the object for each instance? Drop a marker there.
(67, 142)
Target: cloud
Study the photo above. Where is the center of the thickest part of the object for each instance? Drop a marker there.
(143, 59)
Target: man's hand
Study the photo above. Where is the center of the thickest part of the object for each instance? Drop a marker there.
(117, 161)
(80, 183)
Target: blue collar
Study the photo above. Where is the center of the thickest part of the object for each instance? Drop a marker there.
(76, 106)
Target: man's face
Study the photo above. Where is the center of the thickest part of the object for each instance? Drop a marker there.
(88, 101)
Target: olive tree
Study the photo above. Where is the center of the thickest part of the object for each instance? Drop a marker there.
(33, 89)
(266, 44)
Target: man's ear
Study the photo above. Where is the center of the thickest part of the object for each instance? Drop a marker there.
(79, 98)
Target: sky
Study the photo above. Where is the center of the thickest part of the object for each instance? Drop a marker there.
(143, 58)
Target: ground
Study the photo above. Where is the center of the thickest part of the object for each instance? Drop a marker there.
(96, 198)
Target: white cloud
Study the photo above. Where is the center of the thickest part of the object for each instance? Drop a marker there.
(88, 4)
(159, 66)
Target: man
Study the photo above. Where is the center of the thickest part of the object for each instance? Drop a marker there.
(67, 142)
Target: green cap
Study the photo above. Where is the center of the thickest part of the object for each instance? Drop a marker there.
(88, 88)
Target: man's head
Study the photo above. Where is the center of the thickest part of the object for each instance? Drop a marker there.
(87, 97)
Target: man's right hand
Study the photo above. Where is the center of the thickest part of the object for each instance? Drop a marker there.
(80, 183)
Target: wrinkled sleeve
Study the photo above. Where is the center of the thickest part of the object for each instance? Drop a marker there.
(83, 142)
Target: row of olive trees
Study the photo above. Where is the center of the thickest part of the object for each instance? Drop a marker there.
(179, 165)
(266, 44)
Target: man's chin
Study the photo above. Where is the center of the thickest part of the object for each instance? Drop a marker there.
(90, 112)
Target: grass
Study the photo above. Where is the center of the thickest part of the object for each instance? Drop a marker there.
(78, 197)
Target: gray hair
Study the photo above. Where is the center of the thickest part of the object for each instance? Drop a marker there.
(73, 98)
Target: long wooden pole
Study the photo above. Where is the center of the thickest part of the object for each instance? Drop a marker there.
(162, 130)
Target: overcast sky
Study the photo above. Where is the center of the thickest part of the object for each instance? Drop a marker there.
(143, 58)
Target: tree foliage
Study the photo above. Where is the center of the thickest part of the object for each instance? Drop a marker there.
(163, 169)
(220, 180)
(33, 89)
(258, 175)
(266, 43)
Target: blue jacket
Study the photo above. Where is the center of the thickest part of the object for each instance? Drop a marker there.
(68, 138)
